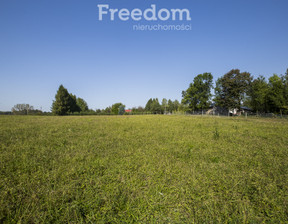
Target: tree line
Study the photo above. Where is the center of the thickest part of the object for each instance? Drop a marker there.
(236, 89)
(66, 103)
(233, 90)
(24, 109)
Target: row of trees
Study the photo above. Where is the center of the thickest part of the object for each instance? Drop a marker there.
(167, 106)
(232, 91)
(271, 96)
(236, 89)
(66, 103)
(25, 109)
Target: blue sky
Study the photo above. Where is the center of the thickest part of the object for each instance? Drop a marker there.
(47, 43)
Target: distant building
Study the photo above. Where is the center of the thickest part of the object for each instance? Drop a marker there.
(128, 111)
(216, 110)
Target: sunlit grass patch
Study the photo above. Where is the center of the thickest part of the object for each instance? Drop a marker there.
(143, 169)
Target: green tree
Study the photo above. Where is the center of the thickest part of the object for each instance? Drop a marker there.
(176, 105)
(183, 107)
(275, 96)
(67, 103)
(62, 103)
(155, 107)
(121, 110)
(164, 105)
(82, 104)
(148, 105)
(285, 78)
(258, 95)
(108, 110)
(23, 109)
(138, 110)
(286, 88)
(115, 108)
(231, 89)
(170, 106)
(198, 95)
(73, 104)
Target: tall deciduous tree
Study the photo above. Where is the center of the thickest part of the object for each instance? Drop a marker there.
(275, 96)
(198, 94)
(232, 88)
(258, 95)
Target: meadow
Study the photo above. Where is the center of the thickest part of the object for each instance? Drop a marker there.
(143, 169)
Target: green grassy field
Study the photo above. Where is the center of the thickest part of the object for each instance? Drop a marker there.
(143, 169)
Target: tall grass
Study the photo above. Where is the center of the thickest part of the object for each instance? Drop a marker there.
(143, 169)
